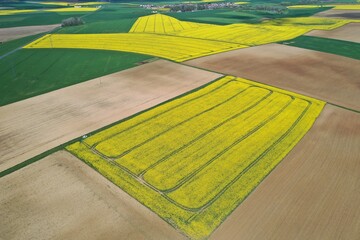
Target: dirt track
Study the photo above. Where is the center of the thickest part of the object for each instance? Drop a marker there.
(313, 193)
(343, 14)
(60, 197)
(349, 32)
(324, 76)
(7, 34)
(32, 126)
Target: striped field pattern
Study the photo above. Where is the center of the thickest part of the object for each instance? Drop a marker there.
(159, 23)
(194, 159)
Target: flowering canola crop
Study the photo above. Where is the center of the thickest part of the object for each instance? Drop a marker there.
(69, 9)
(159, 23)
(194, 159)
(164, 46)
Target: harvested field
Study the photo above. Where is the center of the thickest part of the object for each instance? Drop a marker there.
(7, 34)
(343, 14)
(196, 158)
(349, 32)
(313, 193)
(32, 126)
(60, 197)
(324, 76)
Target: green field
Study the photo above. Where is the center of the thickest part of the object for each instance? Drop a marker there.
(36, 18)
(11, 45)
(334, 46)
(29, 72)
(230, 16)
(112, 18)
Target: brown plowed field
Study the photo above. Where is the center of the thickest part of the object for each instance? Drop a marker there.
(7, 34)
(324, 76)
(314, 192)
(349, 32)
(343, 14)
(32, 126)
(60, 197)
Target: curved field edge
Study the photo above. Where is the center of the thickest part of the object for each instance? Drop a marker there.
(202, 224)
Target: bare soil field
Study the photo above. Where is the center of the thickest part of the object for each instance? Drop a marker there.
(60, 197)
(7, 34)
(343, 14)
(35, 125)
(328, 77)
(314, 192)
(349, 32)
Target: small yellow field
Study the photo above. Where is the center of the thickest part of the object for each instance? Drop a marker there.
(196, 158)
(347, 7)
(72, 9)
(11, 12)
(170, 47)
(69, 9)
(69, 3)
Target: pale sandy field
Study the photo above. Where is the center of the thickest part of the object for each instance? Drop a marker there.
(343, 14)
(60, 197)
(328, 77)
(313, 193)
(349, 32)
(7, 34)
(34, 125)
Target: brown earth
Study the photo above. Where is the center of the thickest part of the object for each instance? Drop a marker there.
(329, 77)
(349, 32)
(343, 14)
(60, 197)
(314, 192)
(7, 34)
(34, 125)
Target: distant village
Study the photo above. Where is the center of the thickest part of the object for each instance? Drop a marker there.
(188, 7)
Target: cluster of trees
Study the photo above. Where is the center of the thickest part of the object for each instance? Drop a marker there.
(188, 7)
(73, 21)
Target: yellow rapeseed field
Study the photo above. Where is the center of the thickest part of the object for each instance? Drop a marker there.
(72, 9)
(69, 3)
(164, 46)
(245, 34)
(69, 9)
(11, 12)
(194, 159)
(159, 23)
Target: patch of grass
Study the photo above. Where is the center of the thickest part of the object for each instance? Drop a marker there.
(21, 78)
(36, 18)
(13, 44)
(334, 46)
